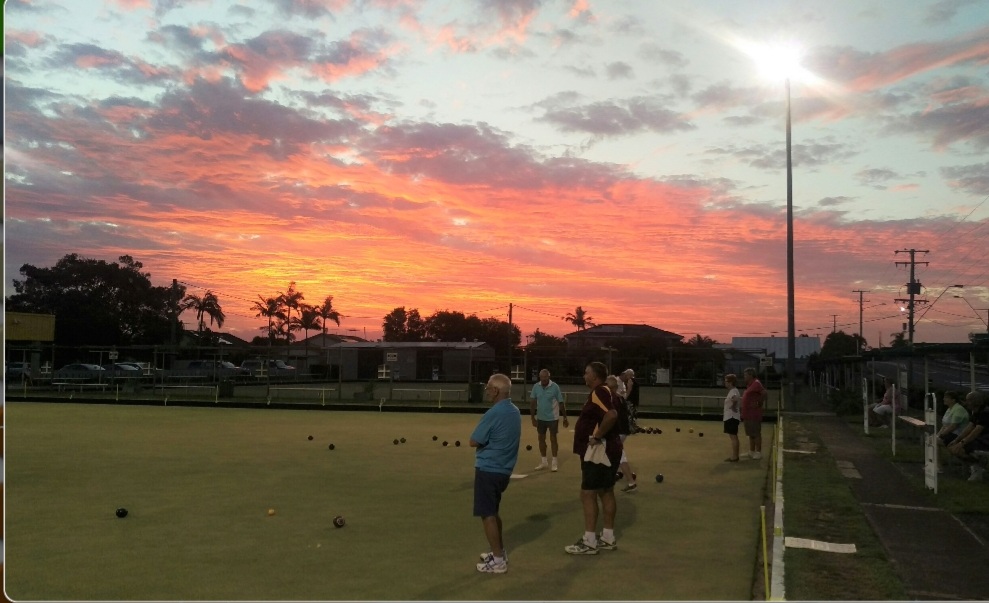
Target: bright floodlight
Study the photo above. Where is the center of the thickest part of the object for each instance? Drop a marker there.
(776, 61)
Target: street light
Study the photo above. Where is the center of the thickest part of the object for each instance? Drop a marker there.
(976, 310)
(784, 60)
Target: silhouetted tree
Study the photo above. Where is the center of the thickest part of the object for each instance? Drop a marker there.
(840, 344)
(206, 305)
(96, 302)
(327, 313)
(579, 319)
(402, 325)
(270, 308)
(290, 300)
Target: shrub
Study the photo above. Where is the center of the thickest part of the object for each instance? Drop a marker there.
(845, 401)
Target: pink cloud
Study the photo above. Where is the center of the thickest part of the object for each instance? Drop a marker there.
(131, 5)
(861, 71)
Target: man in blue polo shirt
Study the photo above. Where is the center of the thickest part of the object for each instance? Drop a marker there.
(496, 438)
(547, 406)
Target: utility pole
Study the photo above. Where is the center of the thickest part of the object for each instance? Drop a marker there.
(858, 342)
(834, 324)
(175, 317)
(913, 288)
(509, 342)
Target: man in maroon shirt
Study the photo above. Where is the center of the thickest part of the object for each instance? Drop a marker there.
(753, 399)
(596, 426)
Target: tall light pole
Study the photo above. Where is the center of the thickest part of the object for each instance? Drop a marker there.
(791, 330)
(778, 60)
(976, 310)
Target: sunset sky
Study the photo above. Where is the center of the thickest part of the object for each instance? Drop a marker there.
(624, 156)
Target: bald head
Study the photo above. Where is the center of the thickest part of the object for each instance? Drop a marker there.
(502, 384)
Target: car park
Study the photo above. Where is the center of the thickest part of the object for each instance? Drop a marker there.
(81, 372)
(123, 370)
(257, 367)
(212, 369)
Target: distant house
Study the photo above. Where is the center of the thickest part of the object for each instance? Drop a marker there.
(306, 353)
(411, 361)
(190, 337)
(612, 334)
(776, 348)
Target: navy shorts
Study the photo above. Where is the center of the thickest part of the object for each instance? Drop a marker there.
(731, 426)
(543, 426)
(487, 492)
(594, 476)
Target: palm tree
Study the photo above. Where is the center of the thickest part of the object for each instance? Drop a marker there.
(700, 341)
(270, 308)
(327, 313)
(207, 305)
(308, 318)
(290, 300)
(579, 319)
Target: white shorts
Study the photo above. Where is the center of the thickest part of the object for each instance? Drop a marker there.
(882, 409)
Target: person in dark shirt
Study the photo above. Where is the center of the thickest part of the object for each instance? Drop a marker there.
(975, 436)
(595, 432)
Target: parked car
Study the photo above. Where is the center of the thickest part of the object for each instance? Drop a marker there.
(213, 369)
(17, 372)
(123, 370)
(254, 367)
(80, 371)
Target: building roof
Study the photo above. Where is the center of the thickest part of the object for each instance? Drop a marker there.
(623, 331)
(777, 346)
(417, 345)
(319, 339)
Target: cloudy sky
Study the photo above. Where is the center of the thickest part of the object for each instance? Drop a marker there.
(624, 156)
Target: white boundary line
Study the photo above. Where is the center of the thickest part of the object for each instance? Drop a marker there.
(777, 590)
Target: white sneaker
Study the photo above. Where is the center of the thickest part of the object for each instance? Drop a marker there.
(490, 556)
(757, 455)
(541, 466)
(492, 567)
(977, 474)
(554, 466)
(581, 548)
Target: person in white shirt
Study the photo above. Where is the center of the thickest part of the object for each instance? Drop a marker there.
(731, 416)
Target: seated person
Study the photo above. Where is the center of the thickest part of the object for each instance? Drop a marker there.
(953, 422)
(881, 411)
(975, 435)
(955, 419)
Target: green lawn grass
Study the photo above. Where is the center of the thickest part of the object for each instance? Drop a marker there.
(198, 483)
(820, 506)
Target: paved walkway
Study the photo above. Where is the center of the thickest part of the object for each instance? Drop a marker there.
(937, 554)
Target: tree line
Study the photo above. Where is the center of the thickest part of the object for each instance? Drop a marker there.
(102, 303)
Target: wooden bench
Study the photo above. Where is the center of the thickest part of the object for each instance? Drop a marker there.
(919, 424)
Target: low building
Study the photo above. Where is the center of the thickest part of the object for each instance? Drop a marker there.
(776, 349)
(410, 361)
(612, 334)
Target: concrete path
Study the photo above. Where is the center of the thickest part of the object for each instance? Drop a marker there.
(937, 554)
